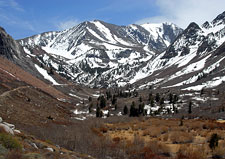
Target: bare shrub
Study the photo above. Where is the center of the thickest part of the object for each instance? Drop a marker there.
(178, 137)
(219, 151)
(159, 148)
(14, 154)
(189, 152)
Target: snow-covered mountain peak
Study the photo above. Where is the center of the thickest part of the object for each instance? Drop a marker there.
(220, 19)
(95, 48)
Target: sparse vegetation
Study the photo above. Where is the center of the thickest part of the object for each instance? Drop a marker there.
(10, 142)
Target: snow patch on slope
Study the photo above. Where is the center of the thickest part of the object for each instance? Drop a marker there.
(46, 75)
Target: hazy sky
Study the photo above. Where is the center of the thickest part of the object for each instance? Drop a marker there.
(22, 18)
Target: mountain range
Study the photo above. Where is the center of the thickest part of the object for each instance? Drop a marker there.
(99, 54)
(51, 82)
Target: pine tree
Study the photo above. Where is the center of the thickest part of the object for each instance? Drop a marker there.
(51, 71)
(157, 97)
(102, 102)
(90, 107)
(175, 99)
(150, 97)
(162, 101)
(171, 98)
(140, 99)
(189, 107)
(133, 110)
(98, 112)
(90, 99)
(202, 92)
(213, 142)
(125, 110)
(108, 95)
(141, 108)
(115, 106)
(114, 100)
(152, 102)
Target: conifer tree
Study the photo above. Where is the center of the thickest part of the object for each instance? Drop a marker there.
(171, 98)
(189, 107)
(102, 102)
(140, 99)
(157, 97)
(98, 112)
(125, 110)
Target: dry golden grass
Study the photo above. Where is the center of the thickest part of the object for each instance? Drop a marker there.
(161, 137)
(179, 137)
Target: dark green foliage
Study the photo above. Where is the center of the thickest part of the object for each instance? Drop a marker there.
(133, 111)
(60, 68)
(115, 106)
(202, 91)
(50, 72)
(174, 108)
(190, 107)
(140, 99)
(171, 98)
(108, 95)
(102, 102)
(125, 110)
(150, 96)
(213, 142)
(99, 113)
(10, 142)
(162, 101)
(135, 93)
(157, 97)
(90, 107)
(175, 99)
(152, 102)
(141, 108)
(114, 100)
(89, 99)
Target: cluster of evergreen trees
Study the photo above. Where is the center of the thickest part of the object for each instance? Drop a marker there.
(135, 110)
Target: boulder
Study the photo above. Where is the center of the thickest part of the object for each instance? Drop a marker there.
(6, 129)
(9, 125)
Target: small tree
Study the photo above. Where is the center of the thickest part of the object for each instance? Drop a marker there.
(115, 106)
(133, 110)
(90, 107)
(140, 99)
(141, 108)
(150, 96)
(162, 101)
(189, 107)
(114, 100)
(152, 102)
(98, 112)
(102, 102)
(213, 142)
(51, 71)
(157, 97)
(125, 110)
(175, 99)
(171, 98)
(202, 92)
(90, 99)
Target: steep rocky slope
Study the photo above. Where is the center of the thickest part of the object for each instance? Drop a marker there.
(99, 54)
